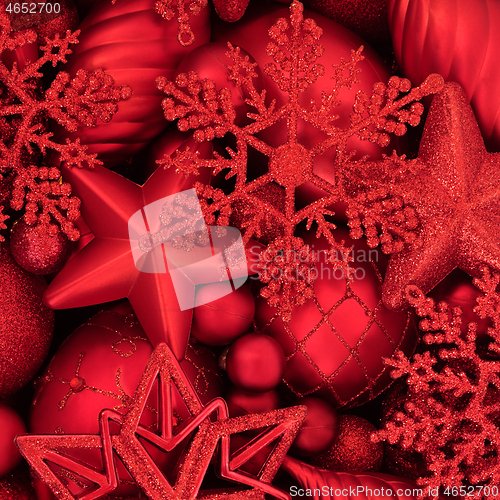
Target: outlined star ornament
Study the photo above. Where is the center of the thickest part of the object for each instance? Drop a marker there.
(104, 269)
(456, 194)
(210, 427)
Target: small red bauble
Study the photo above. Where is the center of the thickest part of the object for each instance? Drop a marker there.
(353, 451)
(230, 11)
(26, 324)
(336, 342)
(221, 321)
(135, 45)
(458, 291)
(99, 366)
(17, 486)
(319, 429)
(255, 363)
(38, 253)
(240, 402)
(12, 425)
(210, 61)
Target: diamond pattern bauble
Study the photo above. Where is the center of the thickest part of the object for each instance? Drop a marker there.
(336, 342)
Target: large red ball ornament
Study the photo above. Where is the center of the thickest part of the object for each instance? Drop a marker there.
(26, 324)
(221, 321)
(99, 366)
(338, 43)
(319, 429)
(460, 40)
(353, 451)
(255, 363)
(135, 45)
(12, 425)
(36, 252)
(335, 344)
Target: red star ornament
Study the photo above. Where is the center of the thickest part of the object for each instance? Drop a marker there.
(163, 373)
(456, 193)
(107, 268)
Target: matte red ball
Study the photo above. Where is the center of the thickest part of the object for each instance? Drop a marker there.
(221, 321)
(26, 325)
(319, 429)
(255, 363)
(38, 253)
(240, 402)
(99, 366)
(12, 425)
(353, 451)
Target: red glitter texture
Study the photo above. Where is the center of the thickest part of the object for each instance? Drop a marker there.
(163, 374)
(25, 109)
(210, 113)
(451, 415)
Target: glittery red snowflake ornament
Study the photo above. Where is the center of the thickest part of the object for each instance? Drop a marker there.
(451, 415)
(209, 112)
(26, 110)
(209, 427)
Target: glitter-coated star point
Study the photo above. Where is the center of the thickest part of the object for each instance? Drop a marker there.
(455, 194)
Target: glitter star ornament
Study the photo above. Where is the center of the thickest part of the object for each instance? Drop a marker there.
(455, 194)
(163, 375)
(105, 270)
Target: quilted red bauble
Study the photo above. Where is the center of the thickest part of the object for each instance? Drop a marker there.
(100, 366)
(335, 344)
(460, 40)
(338, 43)
(135, 45)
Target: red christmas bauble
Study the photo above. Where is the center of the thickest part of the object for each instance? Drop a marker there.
(26, 324)
(240, 402)
(458, 291)
(38, 253)
(221, 321)
(210, 61)
(353, 451)
(255, 363)
(230, 11)
(12, 425)
(336, 342)
(99, 366)
(338, 43)
(319, 429)
(460, 40)
(135, 45)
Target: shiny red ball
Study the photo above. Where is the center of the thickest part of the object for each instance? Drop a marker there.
(319, 429)
(353, 451)
(38, 253)
(221, 321)
(26, 324)
(255, 363)
(99, 366)
(12, 425)
(241, 402)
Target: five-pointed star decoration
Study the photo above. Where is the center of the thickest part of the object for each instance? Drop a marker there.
(210, 425)
(105, 270)
(456, 193)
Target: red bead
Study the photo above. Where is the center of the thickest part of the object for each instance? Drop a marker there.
(221, 321)
(255, 363)
(319, 429)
